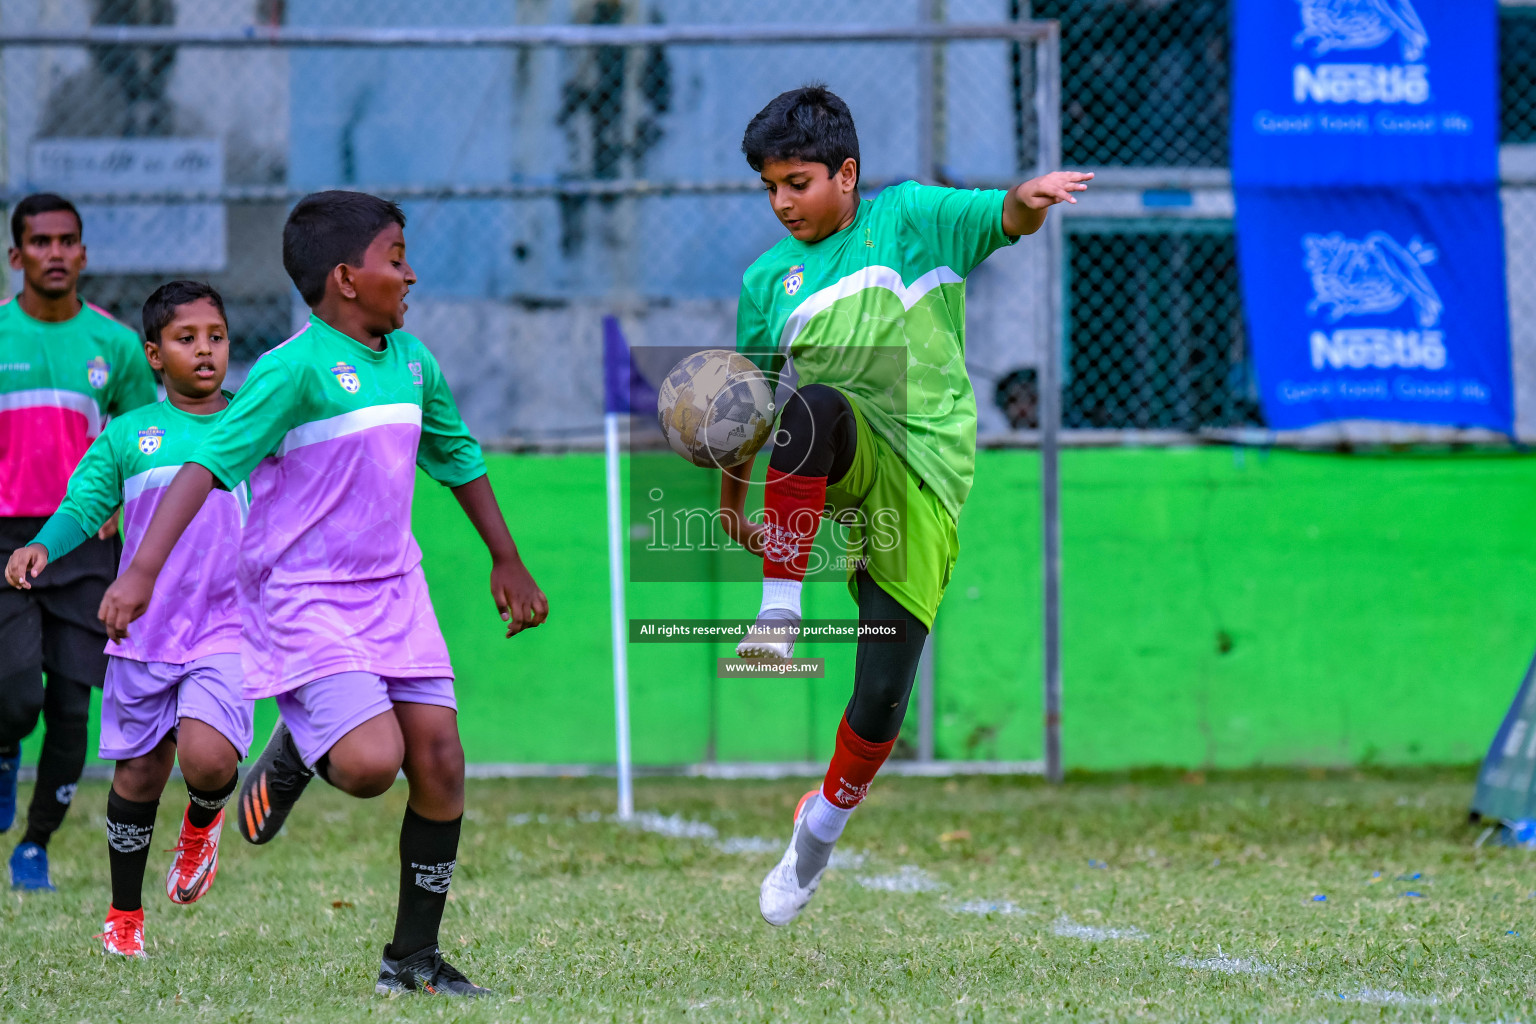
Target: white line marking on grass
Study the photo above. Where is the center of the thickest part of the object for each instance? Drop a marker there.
(908, 878)
(1386, 997)
(1224, 964)
(1067, 928)
(748, 845)
(988, 907)
(754, 845)
(673, 826)
(705, 1004)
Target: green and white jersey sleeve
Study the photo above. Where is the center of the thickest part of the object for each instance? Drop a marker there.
(960, 227)
(96, 486)
(260, 415)
(878, 311)
(752, 337)
(193, 612)
(449, 453)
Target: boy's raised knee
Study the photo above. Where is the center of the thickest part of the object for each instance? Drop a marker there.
(442, 760)
(817, 403)
(208, 773)
(365, 776)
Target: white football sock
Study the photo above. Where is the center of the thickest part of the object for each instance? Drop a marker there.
(783, 594)
(825, 820)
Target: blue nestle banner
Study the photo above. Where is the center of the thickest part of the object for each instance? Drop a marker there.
(1365, 91)
(1370, 239)
(1382, 304)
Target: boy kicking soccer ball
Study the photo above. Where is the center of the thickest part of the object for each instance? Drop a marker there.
(867, 299)
(337, 625)
(173, 688)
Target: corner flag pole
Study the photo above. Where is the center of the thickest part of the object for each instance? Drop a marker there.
(616, 593)
(616, 404)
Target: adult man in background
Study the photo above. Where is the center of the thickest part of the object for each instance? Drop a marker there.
(65, 367)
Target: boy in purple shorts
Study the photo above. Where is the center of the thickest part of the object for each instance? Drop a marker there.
(329, 428)
(173, 688)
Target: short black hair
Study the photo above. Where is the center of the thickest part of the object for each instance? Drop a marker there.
(160, 308)
(327, 229)
(39, 202)
(811, 123)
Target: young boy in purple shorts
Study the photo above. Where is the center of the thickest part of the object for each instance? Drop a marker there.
(329, 428)
(173, 688)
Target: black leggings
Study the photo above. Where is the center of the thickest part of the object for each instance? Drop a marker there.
(65, 706)
(817, 434)
(883, 672)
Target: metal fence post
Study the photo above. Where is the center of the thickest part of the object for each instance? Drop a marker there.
(926, 120)
(1049, 71)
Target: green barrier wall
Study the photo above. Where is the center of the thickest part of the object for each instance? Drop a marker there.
(1221, 608)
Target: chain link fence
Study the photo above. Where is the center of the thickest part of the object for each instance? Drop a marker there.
(570, 177)
(545, 185)
(1155, 334)
(548, 185)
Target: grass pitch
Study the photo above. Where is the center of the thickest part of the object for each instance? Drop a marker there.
(1134, 897)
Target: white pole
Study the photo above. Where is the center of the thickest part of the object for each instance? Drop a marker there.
(616, 594)
(1048, 96)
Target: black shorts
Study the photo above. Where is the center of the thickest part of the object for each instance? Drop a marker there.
(54, 625)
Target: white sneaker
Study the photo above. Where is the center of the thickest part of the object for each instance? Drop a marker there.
(781, 896)
(772, 636)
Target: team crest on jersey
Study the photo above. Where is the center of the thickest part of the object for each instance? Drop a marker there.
(97, 371)
(415, 369)
(794, 279)
(149, 440)
(346, 376)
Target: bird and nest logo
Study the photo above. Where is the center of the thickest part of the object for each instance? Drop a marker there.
(1371, 275)
(1362, 25)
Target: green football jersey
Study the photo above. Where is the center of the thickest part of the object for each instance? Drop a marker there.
(329, 433)
(139, 452)
(194, 612)
(59, 382)
(878, 311)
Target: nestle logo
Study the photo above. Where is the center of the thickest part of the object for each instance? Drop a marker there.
(1362, 83)
(1356, 348)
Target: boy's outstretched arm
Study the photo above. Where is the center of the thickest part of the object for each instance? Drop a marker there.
(1024, 209)
(129, 594)
(521, 603)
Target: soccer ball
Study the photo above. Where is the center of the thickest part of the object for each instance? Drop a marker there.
(716, 408)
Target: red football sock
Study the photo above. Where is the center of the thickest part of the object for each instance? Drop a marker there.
(792, 507)
(854, 764)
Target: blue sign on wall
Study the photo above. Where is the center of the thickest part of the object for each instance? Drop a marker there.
(1357, 91)
(1366, 303)
(1370, 236)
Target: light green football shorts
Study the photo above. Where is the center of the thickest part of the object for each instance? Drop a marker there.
(898, 530)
